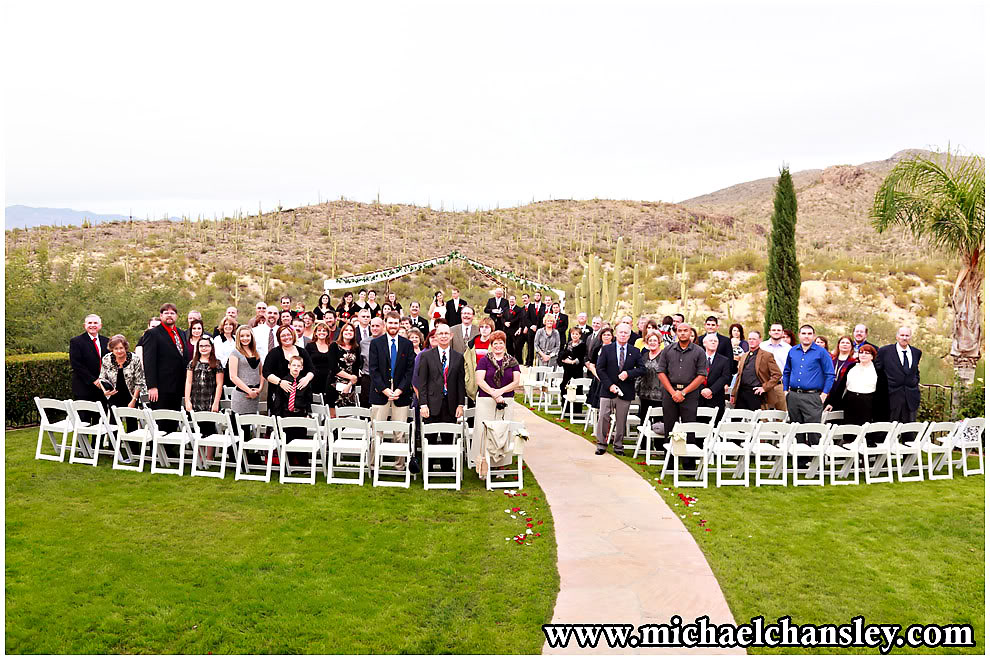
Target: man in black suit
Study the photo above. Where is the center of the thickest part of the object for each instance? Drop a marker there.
(165, 360)
(618, 368)
(594, 337)
(534, 321)
(454, 306)
(441, 381)
(717, 377)
(582, 324)
(561, 324)
(390, 367)
(418, 321)
(724, 343)
(497, 308)
(513, 329)
(898, 365)
(85, 353)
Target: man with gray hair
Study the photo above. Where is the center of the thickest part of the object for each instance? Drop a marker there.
(618, 368)
(464, 332)
(497, 309)
(260, 310)
(86, 352)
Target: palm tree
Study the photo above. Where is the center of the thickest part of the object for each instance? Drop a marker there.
(941, 198)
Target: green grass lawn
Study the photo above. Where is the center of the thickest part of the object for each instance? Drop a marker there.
(105, 561)
(894, 553)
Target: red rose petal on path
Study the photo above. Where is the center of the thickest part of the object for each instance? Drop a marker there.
(707, 530)
(537, 534)
(528, 519)
(540, 523)
(703, 521)
(529, 524)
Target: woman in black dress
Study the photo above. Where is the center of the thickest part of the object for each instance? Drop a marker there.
(276, 366)
(348, 367)
(572, 357)
(346, 308)
(323, 307)
(606, 335)
(391, 300)
(324, 356)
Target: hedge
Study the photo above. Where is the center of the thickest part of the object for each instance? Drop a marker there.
(47, 375)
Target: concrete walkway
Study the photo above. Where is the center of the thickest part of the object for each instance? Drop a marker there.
(623, 555)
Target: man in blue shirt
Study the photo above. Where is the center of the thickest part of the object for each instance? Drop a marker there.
(807, 379)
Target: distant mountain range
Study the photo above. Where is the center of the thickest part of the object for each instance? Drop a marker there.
(20, 216)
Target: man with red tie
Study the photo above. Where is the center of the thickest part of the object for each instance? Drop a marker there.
(85, 354)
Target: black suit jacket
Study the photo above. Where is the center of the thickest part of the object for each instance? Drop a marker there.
(453, 316)
(380, 370)
(85, 365)
(430, 383)
(562, 328)
(164, 365)
(420, 324)
(609, 369)
(514, 319)
(724, 349)
(534, 316)
(902, 385)
(719, 376)
(497, 310)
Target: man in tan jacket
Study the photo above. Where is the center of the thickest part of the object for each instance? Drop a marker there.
(758, 379)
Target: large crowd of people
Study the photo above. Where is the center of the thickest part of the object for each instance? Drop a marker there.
(388, 357)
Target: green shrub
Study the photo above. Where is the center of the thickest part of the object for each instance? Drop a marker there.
(973, 401)
(47, 375)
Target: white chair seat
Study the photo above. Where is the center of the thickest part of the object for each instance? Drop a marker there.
(175, 438)
(727, 448)
(349, 446)
(393, 449)
(801, 449)
(445, 451)
(260, 444)
(690, 451)
(216, 440)
(303, 444)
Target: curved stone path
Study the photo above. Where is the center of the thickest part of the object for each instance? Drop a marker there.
(622, 553)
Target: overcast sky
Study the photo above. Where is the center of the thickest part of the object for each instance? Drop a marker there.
(207, 107)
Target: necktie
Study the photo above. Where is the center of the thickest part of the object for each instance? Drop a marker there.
(271, 339)
(904, 360)
(443, 368)
(292, 397)
(709, 365)
(178, 341)
(392, 358)
(467, 336)
(622, 356)
(96, 344)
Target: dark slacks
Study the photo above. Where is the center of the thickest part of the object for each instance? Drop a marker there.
(531, 351)
(443, 416)
(685, 411)
(747, 399)
(900, 412)
(364, 380)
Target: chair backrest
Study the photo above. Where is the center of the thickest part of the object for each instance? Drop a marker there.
(655, 414)
(354, 411)
(738, 415)
(811, 428)
(771, 416)
(140, 415)
(940, 433)
(44, 405)
(320, 412)
(468, 414)
(443, 427)
(178, 416)
(220, 420)
(580, 382)
(772, 432)
(708, 413)
(969, 430)
(832, 416)
(388, 426)
(75, 407)
(916, 428)
(850, 434)
(736, 431)
(697, 428)
(307, 423)
(318, 399)
(228, 392)
(336, 424)
(887, 428)
(260, 422)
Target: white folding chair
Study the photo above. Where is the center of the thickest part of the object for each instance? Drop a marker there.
(880, 453)
(318, 399)
(842, 453)
(771, 441)
(259, 425)
(355, 412)
(937, 444)
(647, 435)
(98, 433)
(633, 422)
(732, 442)
(182, 438)
(700, 430)
(550, 391)
(905, 447)
(395, 450)
(436, 450)
(141, 434)
(320, 413)
(771, 415)
(311, 445)
(513, 469)
(221, 440)
(61, 427)
(832, 416)
(814, 474)
(591, 417)
(347, 436)
(533, 383)
(572, 399)
(969, 438)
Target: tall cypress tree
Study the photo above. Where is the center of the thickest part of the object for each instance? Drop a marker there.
(783, 274)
